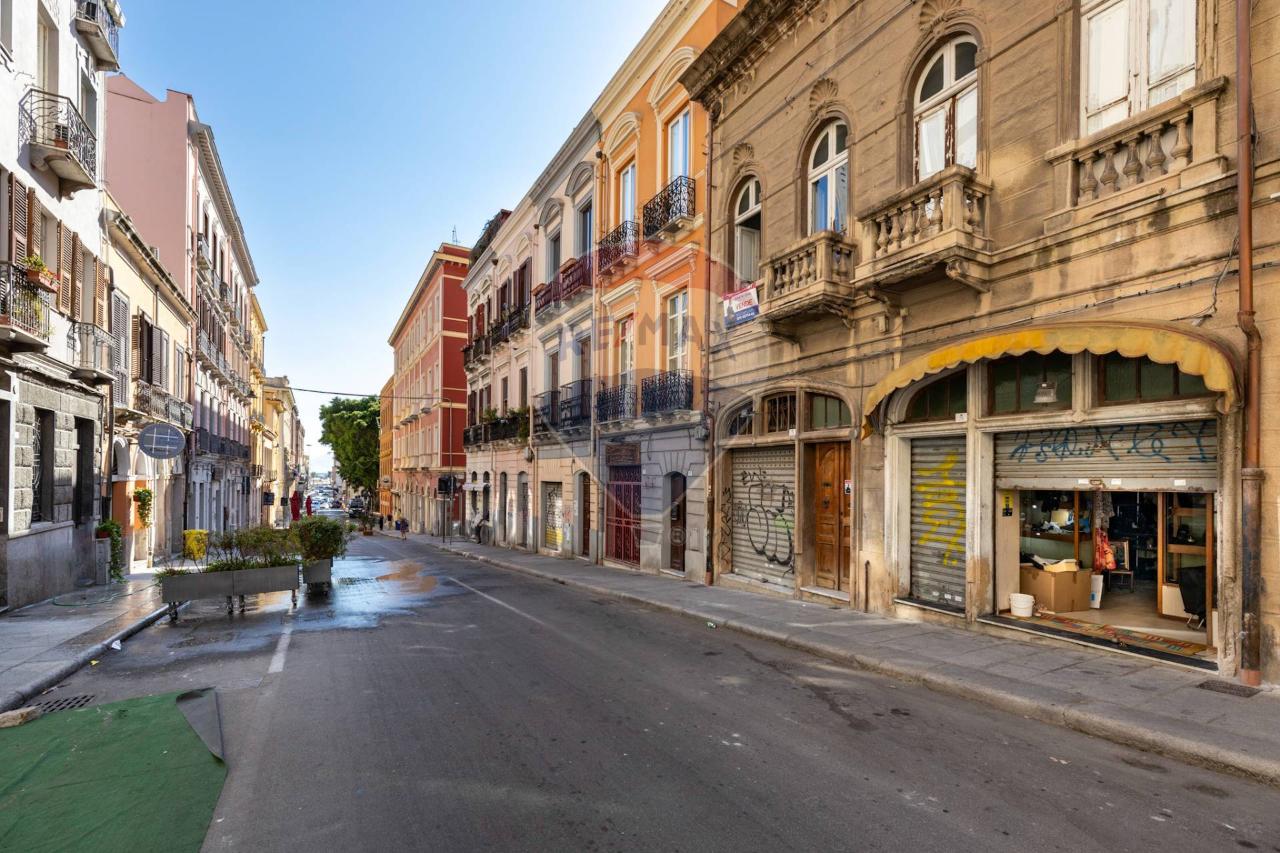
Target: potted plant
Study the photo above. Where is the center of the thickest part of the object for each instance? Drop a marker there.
(259, 560)
(110, 529)
(144, 499)
(320, 540)
(38, 273)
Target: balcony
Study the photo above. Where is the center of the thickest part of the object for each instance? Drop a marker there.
(204, 253)
(618, 248)
(546, 296)
(515, 321)
(941, 222)
(255, 471)
(546, 412)
(474, 435)
(812, 277)
(60, 139)
(666, 393)
(101, 33)
(93, 353)
(671, 210)
(616, 404)
(575, 279)
(473, 352)
(505, 428)
(24, 312)
(575, 405)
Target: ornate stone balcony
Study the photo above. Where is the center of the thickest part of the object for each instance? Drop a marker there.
(813, 276)
(940, 222)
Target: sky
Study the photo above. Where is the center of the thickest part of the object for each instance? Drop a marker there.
(357, 136)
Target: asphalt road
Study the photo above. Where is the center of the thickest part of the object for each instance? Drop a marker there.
(433, 703)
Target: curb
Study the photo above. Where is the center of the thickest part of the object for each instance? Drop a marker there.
(17, 698)
(1119, 726)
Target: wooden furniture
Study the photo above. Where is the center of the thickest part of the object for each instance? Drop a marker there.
(1123, 572)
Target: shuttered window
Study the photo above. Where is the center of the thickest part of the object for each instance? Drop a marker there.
(18, 221)
(938, 520)
(121, 351)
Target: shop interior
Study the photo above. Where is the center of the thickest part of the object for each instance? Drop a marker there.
(1154, 593)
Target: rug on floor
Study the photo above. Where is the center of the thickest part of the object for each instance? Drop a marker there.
(1121, 636)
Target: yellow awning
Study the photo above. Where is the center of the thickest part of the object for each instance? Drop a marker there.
(1196, 354)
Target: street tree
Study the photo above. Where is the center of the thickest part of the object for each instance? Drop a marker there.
(350, 428)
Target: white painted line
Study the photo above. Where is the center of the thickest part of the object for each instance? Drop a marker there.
(282, 646)
(486, 595)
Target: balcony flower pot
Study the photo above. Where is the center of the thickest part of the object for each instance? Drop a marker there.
(42, 277)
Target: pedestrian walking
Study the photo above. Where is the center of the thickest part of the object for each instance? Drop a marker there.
(404, 528)
(382, 522)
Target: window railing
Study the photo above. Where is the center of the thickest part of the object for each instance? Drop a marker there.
(504, 428)
(204, 252)
(575, 404)
(546, 412)
(617, 246)
(666, 392)
(23, 305)
(94, 348)
(53, 121)
(616, 404)
(474, 434)
(95, 13)
(546, 295)
(671, 205)
(575, 279)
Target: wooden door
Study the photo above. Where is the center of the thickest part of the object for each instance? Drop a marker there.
(584, 489)
(678, 512)
(831, 515)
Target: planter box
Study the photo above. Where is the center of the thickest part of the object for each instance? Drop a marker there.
(320, 571)
(189, 587)
(273, 579)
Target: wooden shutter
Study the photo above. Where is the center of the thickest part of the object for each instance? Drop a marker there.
(135, 347)
(18, 221)
(77, 280)
(157, 356)
(99, 293)
(66, 253)
(166, 359)
(35, 228)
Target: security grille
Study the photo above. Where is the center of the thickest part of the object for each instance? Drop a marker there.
(763, 515)
(64, 703)
(938, 554)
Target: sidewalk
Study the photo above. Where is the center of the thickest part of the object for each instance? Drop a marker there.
(1121, 698)
(43, 643)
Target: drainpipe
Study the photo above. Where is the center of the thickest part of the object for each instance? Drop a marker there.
(708, 417)
(599, 534)
(105, 509)
(1251, 473)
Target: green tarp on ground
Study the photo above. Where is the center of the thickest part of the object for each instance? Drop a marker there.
(131, 775)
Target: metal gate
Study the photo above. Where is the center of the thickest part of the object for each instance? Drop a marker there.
(1155, 456)
(552, 515)
(764, 515)
(622, 514)
(938, 553)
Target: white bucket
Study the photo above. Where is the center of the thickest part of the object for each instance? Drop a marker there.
(1021, 604)
(1095, 592)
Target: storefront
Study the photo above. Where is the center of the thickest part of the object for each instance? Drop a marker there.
(552, 516)
(764, 515)
(622, 518)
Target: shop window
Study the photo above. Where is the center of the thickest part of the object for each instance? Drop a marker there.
(1141, 380)
(1029, 383)
(742, 422)
(780, 413)
(940, 400)
(1055, 526)
(828, 412)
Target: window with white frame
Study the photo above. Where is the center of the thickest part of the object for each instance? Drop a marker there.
(1137, 54)
(553, 256)
(678, 331)
(678, 147)
(946, 109)
(829, 179)
(584, 235)
(626, 351)
(746, 234)
(627, 194)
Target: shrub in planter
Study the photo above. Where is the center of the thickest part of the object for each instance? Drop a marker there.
(110, 529)
(320, 540)
(144, 499)
(195, 545)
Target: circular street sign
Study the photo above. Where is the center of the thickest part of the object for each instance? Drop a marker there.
(161, 441)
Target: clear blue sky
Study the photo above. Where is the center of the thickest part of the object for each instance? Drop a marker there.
(358, 135)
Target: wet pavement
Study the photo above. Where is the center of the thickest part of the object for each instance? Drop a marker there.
(429, 702)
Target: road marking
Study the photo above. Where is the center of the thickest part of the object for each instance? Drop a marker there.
(282, 646)
(499, 602)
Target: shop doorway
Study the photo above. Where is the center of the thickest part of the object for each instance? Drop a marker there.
(584, 514)
(832, 508)
(1128, 569)
(675, 561)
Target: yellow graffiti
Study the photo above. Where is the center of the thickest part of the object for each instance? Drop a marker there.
(943, 512)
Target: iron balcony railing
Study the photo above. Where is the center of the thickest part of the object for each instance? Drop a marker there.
(617, 246)
(672, 204)
(546, 412)
(204, 252)
(669, 391)
(576, 278)
(474, 434)
(94, 348)
(24, 306)
(53, 121)
(616, 404)
(546, 296)
(504, 428)
(516, 320)
(575, 404)
(93, 16)
(255, 470)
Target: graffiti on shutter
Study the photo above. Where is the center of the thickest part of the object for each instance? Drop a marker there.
(763, 515)
(938, 554)
(552, 515)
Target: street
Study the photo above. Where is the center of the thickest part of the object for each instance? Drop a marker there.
(435, 703)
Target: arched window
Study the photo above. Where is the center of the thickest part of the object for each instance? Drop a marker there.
(942, 399)
(826, 412)
(742, 421)
(829, 179)
(946, 108)
(746, 234)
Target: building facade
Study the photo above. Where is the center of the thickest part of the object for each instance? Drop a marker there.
(54, 326)
(428, 397)
(262, 440)
(286, 465)
(994, 256)
(386, 449)
(167, 173)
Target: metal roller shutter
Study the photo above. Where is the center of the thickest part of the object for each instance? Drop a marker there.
(938, 553)
(764, 515)
(1165, 455)
(552, 515)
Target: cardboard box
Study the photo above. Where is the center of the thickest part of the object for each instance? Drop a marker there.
(1057, 592)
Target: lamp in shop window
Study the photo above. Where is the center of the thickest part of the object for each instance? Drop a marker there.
(1047, 394)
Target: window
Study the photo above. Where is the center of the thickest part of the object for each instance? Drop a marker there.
(946, 109)
(1136, 54)
(678, 147)
(678, 331)
(942, 399)
(1016, 382)
(626, 352)
(746, 234)
(780, 413)
(89, 103)
(584, 225)
(829, 179)
(627, 194)
(180, 372)
(742, 421)
(83, 486)
(1141, 380)
(524, 387)
(504, 395)
(828, 412)
(42, 453)
(46, 55)
(6, 25)
(553, 256)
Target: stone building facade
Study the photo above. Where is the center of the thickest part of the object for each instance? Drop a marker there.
(996, 271)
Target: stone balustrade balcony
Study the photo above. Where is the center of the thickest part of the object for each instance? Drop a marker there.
(812, 276)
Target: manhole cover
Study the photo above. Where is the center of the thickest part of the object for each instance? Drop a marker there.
(65, 703)
(1229, 687)
(354, 581)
